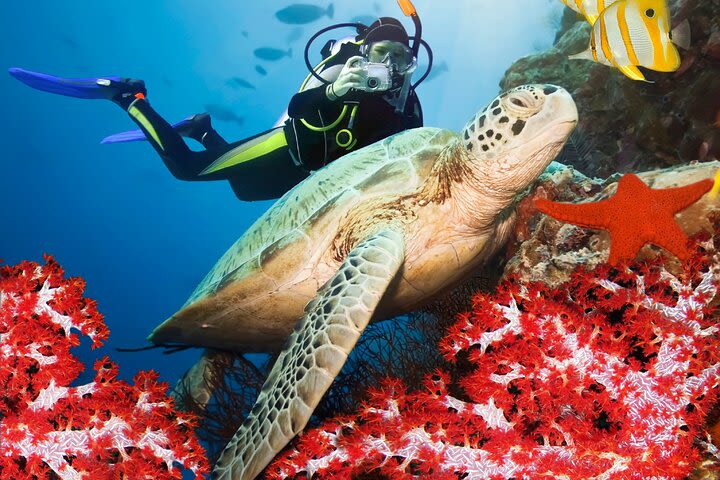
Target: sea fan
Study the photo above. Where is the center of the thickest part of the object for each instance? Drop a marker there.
(577, 151)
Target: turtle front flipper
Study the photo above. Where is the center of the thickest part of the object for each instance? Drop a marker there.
(313, 356)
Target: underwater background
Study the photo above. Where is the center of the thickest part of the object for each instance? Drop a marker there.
(113, 214)
(143, 240)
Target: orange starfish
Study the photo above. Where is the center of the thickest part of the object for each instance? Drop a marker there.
(634, 216)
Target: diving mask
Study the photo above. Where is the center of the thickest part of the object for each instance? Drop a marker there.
(395, 55)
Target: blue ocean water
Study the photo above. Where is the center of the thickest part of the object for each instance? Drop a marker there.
(113, 214)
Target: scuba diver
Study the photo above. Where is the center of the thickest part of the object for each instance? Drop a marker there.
(363, 94)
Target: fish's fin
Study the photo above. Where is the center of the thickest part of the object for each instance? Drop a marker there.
(631, 71)
(716, 186)
(330, 11)
(591, 19)
(681, 35)
(584, 55)
(289, 52)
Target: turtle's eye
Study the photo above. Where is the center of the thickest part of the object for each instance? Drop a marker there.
(523, 102)
(650, 13)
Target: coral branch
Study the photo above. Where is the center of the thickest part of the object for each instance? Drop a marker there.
(106, 429)
(610, 375)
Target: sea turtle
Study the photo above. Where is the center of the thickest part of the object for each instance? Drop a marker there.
(374, 234)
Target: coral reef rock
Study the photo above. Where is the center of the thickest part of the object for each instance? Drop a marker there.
(627, 125)
(548, 250)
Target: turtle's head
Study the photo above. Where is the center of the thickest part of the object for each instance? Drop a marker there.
(519, 134)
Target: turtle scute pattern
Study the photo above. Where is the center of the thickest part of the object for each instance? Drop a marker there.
(313, 356)
(314, 195)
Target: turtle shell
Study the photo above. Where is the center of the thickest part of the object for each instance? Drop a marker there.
(257, 290)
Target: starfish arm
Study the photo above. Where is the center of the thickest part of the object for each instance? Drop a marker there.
(631, 181)
(674, 240)
(589, 215)
(679, 198)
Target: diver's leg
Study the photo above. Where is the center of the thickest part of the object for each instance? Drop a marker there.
(182, 162)
(211, 139)
(129, 94)
(199, 127)
(260, 166)
(196, 126)
(267, 177)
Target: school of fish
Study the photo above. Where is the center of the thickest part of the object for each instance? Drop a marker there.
(295, 14)
(625, 34)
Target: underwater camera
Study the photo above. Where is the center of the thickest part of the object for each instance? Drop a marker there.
(377, 76)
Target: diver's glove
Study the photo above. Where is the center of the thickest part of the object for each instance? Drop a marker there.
(351, 76)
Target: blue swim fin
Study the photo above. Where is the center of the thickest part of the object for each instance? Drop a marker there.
(123, 137)
(105, 88)
(184, 127)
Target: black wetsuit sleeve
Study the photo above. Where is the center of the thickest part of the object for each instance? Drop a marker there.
(307, 102)
(311, 100)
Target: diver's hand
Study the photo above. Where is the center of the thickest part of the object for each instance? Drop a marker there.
(351, 76)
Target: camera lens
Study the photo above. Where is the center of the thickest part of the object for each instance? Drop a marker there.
(372, 82)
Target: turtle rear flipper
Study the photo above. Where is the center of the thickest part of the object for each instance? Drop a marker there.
(313, 356)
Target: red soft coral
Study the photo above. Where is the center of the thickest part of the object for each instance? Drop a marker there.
(106, 429)
(608, 376)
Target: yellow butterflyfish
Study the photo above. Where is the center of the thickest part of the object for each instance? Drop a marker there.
(590, 9)
(632, 33)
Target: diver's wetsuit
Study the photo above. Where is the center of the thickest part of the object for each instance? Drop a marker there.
(267, 175)
(269, 164)
(374, 120)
